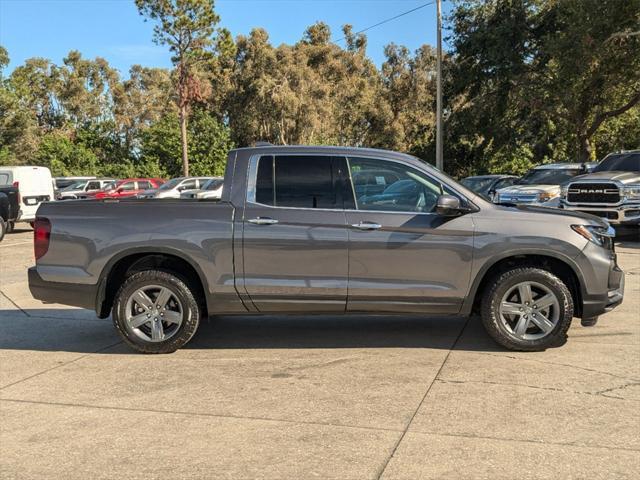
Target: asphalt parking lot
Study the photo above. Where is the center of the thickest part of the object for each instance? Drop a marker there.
(300, 398)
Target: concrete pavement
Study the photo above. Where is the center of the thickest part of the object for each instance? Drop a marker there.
(330, 397)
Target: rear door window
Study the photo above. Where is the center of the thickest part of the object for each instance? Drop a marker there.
(300, 181)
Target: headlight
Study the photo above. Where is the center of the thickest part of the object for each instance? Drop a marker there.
(564, 190)
(601, 236)
(632, 192)
(546, 196)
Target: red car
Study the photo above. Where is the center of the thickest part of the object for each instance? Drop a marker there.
(129, 187)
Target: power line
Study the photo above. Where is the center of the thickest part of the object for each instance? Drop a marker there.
(389, 20)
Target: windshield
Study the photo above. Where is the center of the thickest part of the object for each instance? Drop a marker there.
(212, 184)
(629, 162)
(74, 186)
(477, 184)
(549, 176)
(170, 184)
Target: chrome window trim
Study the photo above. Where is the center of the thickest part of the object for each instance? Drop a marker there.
(252, 171)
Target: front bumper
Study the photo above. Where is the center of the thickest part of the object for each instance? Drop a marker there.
(74, 294)
(597, 304)
(627, 214)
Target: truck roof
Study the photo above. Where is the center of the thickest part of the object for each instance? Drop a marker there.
(321, 149)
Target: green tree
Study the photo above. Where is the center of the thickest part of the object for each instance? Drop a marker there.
(187, 27)
(209, 139)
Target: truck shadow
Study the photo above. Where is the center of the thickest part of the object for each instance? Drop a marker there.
(48, 330)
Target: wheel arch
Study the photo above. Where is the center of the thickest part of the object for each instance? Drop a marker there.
(138, 259)
(560, 265)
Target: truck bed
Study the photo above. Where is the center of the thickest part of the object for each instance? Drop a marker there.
(89, 236)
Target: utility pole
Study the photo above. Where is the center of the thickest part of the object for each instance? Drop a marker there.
(439, 158)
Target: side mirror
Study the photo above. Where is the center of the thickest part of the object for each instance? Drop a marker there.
(448, 206)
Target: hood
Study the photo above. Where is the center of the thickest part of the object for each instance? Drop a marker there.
(622, 177)
(571, 216)
(530, 189)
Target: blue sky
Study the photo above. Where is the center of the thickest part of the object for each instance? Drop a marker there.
(113, 29)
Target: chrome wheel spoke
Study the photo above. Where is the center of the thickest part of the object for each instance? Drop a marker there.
(163, 297)
(545, 301)
(138, 320)
(157, 331)
(142, 299)
(542, 322)
(522, 325)
(524, 289)
(172, 317)
(510, 308)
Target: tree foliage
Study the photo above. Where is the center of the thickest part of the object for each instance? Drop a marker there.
(525, 81)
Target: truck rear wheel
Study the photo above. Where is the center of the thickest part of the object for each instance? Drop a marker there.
(156, 312)
(527, 309)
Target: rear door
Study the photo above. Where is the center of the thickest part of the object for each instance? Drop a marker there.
(295, 243)
(402, 255)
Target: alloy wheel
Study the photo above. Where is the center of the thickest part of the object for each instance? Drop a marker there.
(154, 313)
(529, 311)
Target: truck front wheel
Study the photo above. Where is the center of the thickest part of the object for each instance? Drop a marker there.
(155, 312)
(527, 309)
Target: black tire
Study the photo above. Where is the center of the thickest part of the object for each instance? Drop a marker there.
(502, 334)
(191, 311)
(10, 227)
(3, 228)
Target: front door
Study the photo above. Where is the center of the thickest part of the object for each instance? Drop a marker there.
(295, 242)
(402, 255)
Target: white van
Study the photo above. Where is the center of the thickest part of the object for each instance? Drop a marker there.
(35, 186)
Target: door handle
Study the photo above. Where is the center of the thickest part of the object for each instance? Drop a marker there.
(367, 226)
(263, 221)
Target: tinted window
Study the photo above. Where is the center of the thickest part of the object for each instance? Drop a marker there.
(127, 186)
(629, 162)
(264, 181)
(93, 186)
(390, 186)
(505, 182)
(549, 176)
(188, 184)
(144, 185)
(213, 184)
(296, 181)
(478, 184)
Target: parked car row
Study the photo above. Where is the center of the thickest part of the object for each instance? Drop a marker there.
(609, 189)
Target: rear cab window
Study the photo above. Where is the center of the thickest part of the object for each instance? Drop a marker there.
(299, 181)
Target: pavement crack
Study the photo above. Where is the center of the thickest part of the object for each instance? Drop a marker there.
(523, 440)
(538, 387)
(613, 389)
(14, 303)
(592, 370)
(60, 365)
(197, 414)
(424, 397)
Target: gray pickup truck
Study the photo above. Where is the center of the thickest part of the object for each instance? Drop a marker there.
(326, 230)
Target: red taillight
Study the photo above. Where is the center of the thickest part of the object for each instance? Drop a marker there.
(41, 235)
(17, 185)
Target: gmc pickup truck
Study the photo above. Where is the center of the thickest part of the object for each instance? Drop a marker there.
(326, 230)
